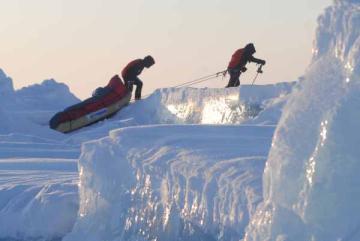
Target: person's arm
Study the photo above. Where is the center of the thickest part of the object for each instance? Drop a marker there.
(258, 61)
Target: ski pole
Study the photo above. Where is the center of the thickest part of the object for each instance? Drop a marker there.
(259, 71)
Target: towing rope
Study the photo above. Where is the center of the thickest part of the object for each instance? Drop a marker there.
(202, 79)
(195, 81)
(206, 78)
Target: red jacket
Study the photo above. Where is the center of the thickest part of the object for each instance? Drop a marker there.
(133, 69)
(241, 57)
(236, 59)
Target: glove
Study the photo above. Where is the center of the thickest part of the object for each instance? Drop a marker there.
(243, 69)
(262, 62)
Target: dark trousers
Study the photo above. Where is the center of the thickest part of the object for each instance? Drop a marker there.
(234, 80)
(130, 81)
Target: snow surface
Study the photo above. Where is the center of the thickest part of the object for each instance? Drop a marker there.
(39, 178)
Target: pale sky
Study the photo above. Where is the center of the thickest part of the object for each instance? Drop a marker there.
(83, 43)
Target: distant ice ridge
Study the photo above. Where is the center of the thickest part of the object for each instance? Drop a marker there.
(45, 96)
(170, 182)
(311, 189)
(29, 109)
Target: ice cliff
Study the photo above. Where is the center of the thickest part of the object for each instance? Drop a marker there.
(170, 182)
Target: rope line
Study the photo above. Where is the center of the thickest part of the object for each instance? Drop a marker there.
(193, 82)
(205, 78)
(199, 80)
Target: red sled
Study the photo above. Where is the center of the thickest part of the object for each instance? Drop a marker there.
(106, 101)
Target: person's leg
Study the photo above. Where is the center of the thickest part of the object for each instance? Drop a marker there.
(139, 85)
(129, 83)
(234, 78)
(237, 79)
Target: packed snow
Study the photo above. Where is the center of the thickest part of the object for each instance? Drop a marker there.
(271, 162)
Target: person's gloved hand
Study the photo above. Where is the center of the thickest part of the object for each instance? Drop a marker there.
(263, 62)
(243, 69)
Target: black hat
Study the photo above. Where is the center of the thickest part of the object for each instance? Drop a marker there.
(149, 61)
(251, 48)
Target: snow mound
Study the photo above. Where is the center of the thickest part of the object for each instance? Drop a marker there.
(171, 182)
(310, 179)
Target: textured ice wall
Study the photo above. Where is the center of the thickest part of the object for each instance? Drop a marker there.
(206, 105)
(171, 183)
(311, 189)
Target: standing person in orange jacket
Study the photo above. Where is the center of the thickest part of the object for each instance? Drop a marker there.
(238, 61)
(131, 72)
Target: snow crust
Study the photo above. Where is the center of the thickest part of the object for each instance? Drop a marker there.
(38, 198)
(311, 176)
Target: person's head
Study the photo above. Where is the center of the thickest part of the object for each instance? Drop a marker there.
(250, 48)
(148, 61)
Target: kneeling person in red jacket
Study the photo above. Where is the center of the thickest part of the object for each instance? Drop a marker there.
(238, 61)
(131, 72)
